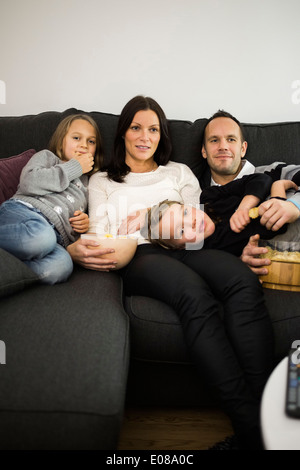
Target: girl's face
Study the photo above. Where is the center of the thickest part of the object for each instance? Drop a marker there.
(142, 138)
(80, 139)
(185, 225)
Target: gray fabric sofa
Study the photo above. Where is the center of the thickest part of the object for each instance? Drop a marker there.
(77, 351)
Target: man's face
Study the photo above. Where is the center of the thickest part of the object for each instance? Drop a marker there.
(223, 148)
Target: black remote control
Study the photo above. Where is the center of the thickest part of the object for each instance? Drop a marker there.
(292, 404)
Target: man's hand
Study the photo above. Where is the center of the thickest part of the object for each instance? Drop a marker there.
(90, 258)
(79, 222)
(251, 254)
(275, 213)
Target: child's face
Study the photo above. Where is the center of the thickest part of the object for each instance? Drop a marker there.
(185, 225)
(80, 139)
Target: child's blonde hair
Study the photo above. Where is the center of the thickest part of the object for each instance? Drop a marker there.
(56, 141)
(150, 229)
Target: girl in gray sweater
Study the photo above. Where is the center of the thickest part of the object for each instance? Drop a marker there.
(46, 213)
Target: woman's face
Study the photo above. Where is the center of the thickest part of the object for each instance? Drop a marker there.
(186, 226)
(142, 138)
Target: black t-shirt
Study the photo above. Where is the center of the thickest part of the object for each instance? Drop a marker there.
(221, 202)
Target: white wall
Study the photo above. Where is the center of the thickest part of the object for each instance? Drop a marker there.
(192, 56)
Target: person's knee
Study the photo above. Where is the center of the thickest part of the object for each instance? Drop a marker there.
(54, 268)
(57, 272)
(40, 239)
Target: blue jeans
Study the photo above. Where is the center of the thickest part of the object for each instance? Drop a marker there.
(26, 234)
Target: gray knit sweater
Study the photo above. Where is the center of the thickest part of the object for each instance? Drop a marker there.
(56, 188)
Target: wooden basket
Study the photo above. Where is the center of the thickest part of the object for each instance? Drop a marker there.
(283, 275)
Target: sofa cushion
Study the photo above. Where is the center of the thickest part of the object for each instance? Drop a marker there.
(10, 170)
(15, 276)
(151, 318)
(63, 386)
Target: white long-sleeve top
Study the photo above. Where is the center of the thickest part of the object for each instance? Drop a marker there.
(111, 202)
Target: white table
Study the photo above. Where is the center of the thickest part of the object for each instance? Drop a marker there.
(279, 431)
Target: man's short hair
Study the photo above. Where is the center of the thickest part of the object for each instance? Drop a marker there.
(225, 114)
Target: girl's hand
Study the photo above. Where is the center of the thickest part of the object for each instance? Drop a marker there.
(239, 220)
(133, 222)
(279, 187)
(80, 222)
(86, 161)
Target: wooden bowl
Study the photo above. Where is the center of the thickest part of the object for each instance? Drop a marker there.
(124, 246)
(284, 270)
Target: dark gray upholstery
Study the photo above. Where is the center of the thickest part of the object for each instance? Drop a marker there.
(67, 350)
(268, 143)
(67, 345)
(14, 275)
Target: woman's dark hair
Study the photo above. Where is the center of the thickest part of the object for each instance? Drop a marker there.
(117, 168)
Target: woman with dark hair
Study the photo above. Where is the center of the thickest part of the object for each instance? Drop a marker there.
(140, 170)
(234, 355)
(118, 168)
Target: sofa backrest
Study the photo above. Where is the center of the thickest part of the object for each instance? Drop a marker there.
(266, 142)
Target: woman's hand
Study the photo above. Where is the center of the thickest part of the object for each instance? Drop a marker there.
(79, 222)
(90, 258)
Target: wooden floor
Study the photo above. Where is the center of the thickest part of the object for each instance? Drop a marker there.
(173, 428)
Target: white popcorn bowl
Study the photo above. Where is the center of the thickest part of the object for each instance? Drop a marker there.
(124, 246)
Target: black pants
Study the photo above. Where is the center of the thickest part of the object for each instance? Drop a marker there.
(234, 352)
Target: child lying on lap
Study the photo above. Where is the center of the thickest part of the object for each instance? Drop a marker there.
(224, 223)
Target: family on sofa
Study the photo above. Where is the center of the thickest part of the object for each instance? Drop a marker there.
(235, 353)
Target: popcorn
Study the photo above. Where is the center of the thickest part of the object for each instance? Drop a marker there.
(285, 256)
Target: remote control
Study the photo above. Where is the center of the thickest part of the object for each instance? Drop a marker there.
(292, 406)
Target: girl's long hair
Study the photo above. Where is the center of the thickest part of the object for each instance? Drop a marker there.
(56, 141)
